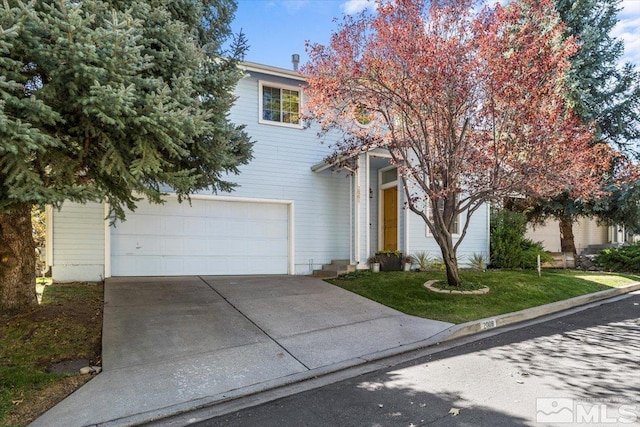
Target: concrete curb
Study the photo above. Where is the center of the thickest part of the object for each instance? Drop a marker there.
(483, 325)
(202, 409)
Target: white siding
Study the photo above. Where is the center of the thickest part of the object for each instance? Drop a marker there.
(78, 242)
(281, 169)
(476, 240)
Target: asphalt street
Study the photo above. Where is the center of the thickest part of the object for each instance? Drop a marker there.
(581, 369)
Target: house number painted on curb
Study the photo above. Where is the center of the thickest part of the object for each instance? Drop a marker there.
(488, 324)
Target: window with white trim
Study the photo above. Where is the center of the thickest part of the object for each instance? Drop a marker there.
(456, 221)
(280, 104)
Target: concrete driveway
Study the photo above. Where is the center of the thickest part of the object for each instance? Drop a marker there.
(173, 344)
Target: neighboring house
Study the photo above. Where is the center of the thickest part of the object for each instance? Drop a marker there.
(588, 234)
(290, 213)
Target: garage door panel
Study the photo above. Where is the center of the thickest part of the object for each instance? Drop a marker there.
(275, 229)
(207, 238)
(167, 245)
(267, 248)
(267, 212)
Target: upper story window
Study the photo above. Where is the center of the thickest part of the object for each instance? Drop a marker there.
(280, 104)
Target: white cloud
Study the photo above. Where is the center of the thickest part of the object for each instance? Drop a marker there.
(293, 6)
(630, 7)
(628, 30)
(355, 6)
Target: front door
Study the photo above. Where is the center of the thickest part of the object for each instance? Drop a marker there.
(390, 218)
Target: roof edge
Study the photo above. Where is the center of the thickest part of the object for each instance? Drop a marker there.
(271, 70)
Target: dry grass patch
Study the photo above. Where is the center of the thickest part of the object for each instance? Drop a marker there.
(66, 326)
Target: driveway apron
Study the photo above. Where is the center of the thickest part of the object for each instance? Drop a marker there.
(171, 344)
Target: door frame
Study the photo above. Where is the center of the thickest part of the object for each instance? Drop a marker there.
(381, 188)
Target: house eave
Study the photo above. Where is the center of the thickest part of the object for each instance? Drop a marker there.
(270, 70)
(322, 166)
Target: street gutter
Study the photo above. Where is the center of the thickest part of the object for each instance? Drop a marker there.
(483, 325)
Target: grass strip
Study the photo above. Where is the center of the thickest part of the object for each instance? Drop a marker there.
(510, 290)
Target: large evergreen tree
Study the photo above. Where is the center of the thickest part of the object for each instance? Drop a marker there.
(606, 94)
(110, 100)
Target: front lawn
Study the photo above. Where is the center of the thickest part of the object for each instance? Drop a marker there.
(510, 290)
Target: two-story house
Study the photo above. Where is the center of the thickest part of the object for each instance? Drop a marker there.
(290, 213)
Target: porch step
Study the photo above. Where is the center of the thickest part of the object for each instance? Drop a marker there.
(595, 249)
(335, 269)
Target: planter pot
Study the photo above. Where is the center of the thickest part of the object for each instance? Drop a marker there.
(375, 267)
(390, 262)
(407, 266)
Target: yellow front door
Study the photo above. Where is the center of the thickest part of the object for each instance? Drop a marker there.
(390, 218)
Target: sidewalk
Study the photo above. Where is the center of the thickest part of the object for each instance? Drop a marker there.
(175, 344)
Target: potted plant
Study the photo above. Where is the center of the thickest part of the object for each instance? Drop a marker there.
(390, 260)
(374, 264)
(407, 262)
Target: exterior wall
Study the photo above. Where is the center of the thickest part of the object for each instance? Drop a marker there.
(335, 214)
(476, 240)
(586, 231)
(78, 239)
(280, 170)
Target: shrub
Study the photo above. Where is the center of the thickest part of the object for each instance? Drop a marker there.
(478, 262)
(423, 259)
(530, 252)
(624, 258)
(509, 247)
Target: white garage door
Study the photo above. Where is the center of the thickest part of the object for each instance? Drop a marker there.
(209, 237)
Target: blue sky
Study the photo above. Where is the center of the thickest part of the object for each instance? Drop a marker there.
(278, 28)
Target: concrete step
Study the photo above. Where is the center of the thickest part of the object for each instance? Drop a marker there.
(334, 269)
(339, 262)
(595, 249)
(328, 274)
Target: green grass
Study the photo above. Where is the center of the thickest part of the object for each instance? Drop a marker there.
(509, 291)
(66, 326)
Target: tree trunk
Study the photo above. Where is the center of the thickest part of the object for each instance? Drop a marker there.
(567, 242)
(17, 260)
(453, 272)
(450, 262)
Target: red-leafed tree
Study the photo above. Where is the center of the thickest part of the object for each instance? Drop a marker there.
(471, 105)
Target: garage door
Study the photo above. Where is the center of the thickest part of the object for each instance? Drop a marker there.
(209, 237)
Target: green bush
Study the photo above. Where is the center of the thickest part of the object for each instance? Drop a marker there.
(624, 258)
(530, 252)
(509, 247)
